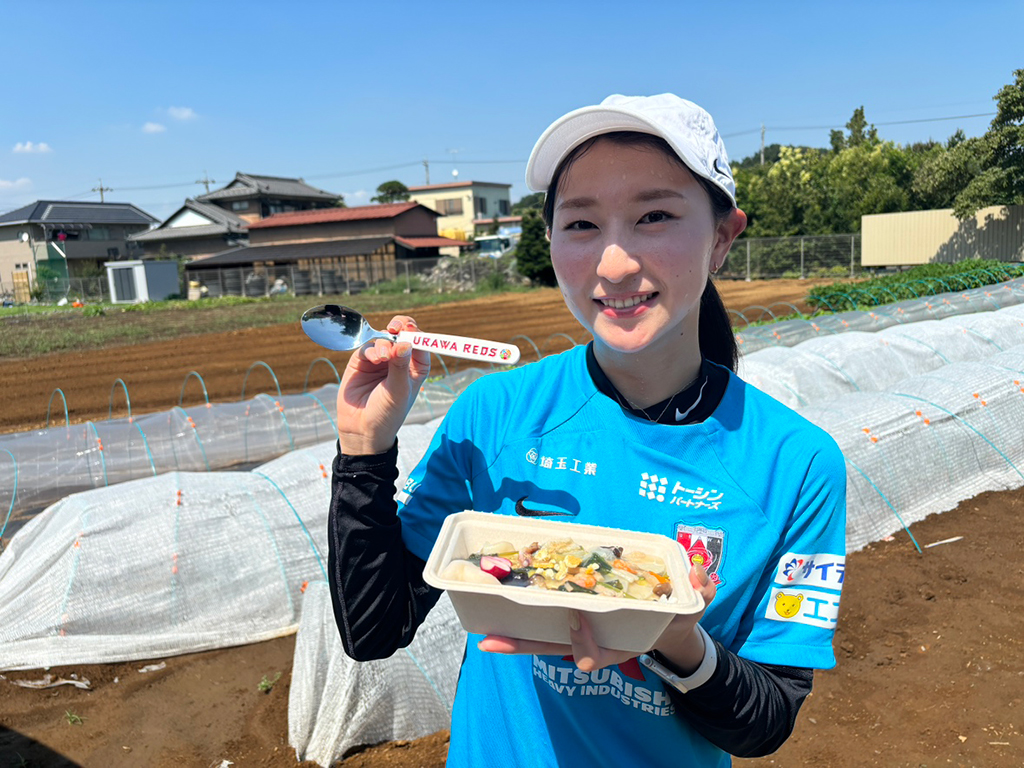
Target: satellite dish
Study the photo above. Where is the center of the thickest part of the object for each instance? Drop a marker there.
(23, 237)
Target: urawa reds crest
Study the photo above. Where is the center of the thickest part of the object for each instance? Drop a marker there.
(704, 547)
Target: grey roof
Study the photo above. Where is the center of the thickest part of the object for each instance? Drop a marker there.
(53, 213)
(286, 253)
(250, 185)
(222, 222)
(180, 233)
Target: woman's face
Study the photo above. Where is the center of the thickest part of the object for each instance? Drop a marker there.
(632, 241)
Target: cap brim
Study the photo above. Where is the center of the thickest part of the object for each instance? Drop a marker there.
(568, 132)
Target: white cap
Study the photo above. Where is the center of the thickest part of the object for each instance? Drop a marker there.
(687, 128)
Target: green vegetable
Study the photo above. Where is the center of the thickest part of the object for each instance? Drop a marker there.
(596, 560)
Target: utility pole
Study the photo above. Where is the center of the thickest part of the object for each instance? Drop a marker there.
(426, 169)
(762, 143)
(206, 181)
(101, 189)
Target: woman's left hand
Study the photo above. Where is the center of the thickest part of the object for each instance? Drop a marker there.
(679, 643)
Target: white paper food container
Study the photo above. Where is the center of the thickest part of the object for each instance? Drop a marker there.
(539, 614)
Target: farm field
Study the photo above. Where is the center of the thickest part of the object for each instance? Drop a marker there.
(930, 657)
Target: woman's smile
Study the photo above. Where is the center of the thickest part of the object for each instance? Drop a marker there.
(631, 305)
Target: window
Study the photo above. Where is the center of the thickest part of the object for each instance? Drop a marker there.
(240, 205)
(278, 207)
(503, 208)
(451, 206)
(480, 205)
(97, 233)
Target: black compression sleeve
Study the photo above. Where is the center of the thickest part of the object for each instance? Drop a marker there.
(377, 586)
(745, 708)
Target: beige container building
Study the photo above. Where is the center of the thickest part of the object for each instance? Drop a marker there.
(926, 237)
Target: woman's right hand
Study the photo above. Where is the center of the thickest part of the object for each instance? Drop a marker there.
(377, 391)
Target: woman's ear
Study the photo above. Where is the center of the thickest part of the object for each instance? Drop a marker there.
(547, 233)
(728, 230)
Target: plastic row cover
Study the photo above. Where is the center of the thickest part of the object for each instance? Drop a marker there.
(929, 442)
(820, 370)
(172, 564)
(336, 704)
(47, 465)
(788, 333)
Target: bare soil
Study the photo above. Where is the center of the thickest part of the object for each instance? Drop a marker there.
(931, 657)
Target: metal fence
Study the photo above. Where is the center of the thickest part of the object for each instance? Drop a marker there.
(88, 289)
(800, 256)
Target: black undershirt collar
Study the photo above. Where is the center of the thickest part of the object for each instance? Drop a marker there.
(691, 406)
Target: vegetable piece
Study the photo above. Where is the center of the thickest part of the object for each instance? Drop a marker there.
(598, 561)
(664, 589)
(463, 570)
(498, 567)
(520, 577)
(497, 548)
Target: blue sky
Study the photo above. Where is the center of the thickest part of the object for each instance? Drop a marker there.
(152, 96)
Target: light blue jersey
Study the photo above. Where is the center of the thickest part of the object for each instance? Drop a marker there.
(756, 494)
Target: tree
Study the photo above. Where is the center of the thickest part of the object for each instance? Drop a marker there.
(985, 170)
(533, 253)
(391, 192)
(860, 133)
(531, 202)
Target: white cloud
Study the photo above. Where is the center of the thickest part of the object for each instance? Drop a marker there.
(19, 184)
(182, 113)
(361, 197)
(29, 147)
(153, 128)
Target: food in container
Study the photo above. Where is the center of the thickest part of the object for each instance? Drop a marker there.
(487, 604)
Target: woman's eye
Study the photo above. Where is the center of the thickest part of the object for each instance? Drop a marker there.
(655, 217)
(579, 225)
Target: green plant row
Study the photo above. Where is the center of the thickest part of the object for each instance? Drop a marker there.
(915, 283)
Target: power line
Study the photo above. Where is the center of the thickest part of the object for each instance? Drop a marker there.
(891, 122)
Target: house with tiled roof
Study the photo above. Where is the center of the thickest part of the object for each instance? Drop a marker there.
(332, 250)
(68, 238)
(217, 220)
(196, 229)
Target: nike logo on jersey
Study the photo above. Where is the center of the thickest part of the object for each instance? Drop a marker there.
(527, 512)
(680, 415)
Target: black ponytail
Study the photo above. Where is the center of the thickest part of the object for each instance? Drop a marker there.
(714, 330)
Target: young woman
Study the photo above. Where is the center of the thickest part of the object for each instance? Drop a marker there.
(647, 428)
